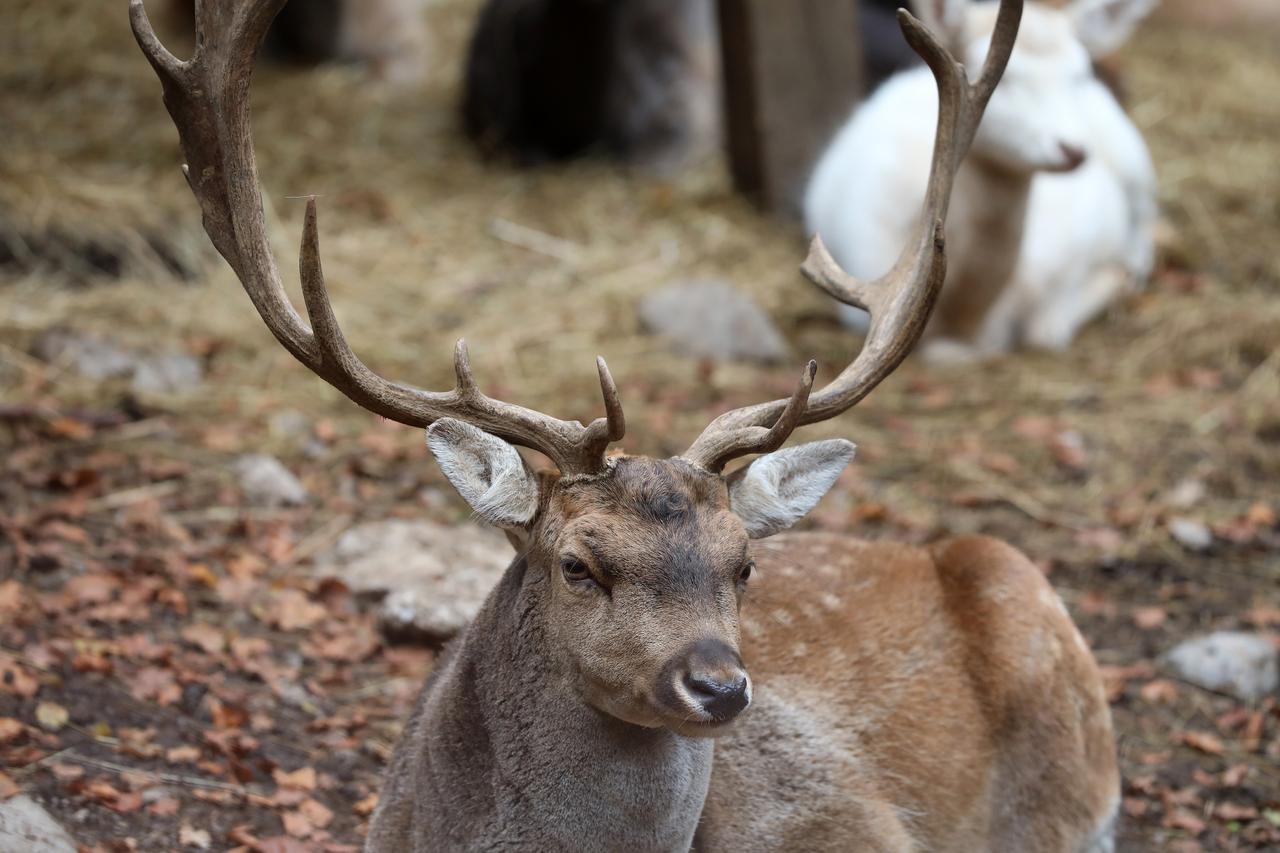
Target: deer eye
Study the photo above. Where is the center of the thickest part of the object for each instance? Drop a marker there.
(574, 570)
(746, 570)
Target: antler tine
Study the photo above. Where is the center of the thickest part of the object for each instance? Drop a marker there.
(900, 301)
(715, 449)
(208, 98)
(613, 426)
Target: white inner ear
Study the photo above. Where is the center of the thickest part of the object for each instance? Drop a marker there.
(1103, 25)
(777, 490)
(486, 471)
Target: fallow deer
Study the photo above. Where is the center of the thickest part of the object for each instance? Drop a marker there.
(867, 696)
(1054, 211)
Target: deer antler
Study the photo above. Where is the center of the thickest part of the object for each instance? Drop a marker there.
(900, 301)
(208, 98)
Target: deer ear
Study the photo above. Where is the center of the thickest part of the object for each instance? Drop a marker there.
(1103, 25)
(778, 489)
(488, 473)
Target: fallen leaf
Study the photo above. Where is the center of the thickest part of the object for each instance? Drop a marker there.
(227, 716)
(1232, 811)
(293, 611)
(95, 588)
(10, 730)
(317, 812)
(66, 772)
(1149, 618)
(189, 836)
(11, 597)
(1069, 451)
(1263, 616)
(1234, 775)
(1160, 691)
(1185, 821)
(1117, 678)
(51, 716)
(1261, 515)
(127, 803)
(205, 636)
(303, 779)
(1136, 806)
(164, 807)
(1202, 741)
(153, 684)
(15, 679)
(183, 755)
(297, 824)
(365, 807)
(284, 844)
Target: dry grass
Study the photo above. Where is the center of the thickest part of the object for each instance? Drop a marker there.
(419, 251)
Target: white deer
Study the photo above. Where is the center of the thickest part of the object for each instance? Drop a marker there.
(1053, 212)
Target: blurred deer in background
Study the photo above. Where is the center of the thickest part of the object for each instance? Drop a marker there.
(388, 35)
(637, 80)
(901, 698)
(1054, 208)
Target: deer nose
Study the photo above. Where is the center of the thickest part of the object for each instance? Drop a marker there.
(723, 700)
(715, 680)
(1074, 155)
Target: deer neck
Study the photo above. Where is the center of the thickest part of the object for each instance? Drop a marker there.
(516, 756)
(989, 212)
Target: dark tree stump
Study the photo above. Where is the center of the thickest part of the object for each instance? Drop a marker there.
(792, 72)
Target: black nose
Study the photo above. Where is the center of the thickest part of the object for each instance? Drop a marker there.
(722, 695)
(1074, 155)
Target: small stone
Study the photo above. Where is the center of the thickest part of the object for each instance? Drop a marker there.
(266, 482)
(713, 319)
(99, 358)
(288, 423)
(432, 578)
(1241, 664)
(167, 373)
(25, 827)
(1190, 533)
(1186, 494)
(91, 356)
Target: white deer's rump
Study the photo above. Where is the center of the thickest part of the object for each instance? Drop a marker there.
(1053, 213)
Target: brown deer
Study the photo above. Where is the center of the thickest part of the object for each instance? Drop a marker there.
(899, 698)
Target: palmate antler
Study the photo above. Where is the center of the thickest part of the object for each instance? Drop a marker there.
(208, 98)
(900, 301)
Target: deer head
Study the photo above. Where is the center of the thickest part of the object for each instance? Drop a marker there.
(636, 566)
(1038, 118)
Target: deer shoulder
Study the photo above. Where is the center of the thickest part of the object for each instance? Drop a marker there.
(963, 661)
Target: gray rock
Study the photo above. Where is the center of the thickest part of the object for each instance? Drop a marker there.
(25, 827)
(266, 482)
(1190, 533)
(713, 319)
(1243, 665)
(432, 577)
(98, 358)
(167, 373)
(91, 356)
(288, 423)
